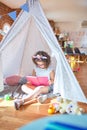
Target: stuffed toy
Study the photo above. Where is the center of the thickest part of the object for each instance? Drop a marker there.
(59, 106)
(73, 108)
(63, 106)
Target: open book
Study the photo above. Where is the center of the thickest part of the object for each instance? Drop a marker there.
(37, 81)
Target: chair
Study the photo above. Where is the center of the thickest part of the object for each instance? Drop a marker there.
(77, 51)
(69, 50)
(81, 56)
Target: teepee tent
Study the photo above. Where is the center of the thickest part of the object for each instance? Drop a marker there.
(31, 32)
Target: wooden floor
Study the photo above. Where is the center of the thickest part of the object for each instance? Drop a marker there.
(10, 119)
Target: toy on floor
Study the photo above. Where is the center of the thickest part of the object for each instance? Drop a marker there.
(64, 106)
(53, 108)
(7, 97)
(73, 108)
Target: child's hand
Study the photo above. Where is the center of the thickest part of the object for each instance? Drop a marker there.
(50, 82)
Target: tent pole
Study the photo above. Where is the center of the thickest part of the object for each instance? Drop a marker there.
(1, 75)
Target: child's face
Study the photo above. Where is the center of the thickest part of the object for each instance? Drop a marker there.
(41, 64)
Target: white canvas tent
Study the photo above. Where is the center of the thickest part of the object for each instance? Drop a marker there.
(31, 32)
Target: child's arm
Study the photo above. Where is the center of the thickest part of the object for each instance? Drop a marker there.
(33, 72)
(52, 76)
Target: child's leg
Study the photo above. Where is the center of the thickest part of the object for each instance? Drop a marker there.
(25, 88)
(34, 100)
(48, 95)
(36, 92)
(43, 98)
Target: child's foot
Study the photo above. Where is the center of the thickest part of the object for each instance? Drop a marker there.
(42, 98)
(18, 103)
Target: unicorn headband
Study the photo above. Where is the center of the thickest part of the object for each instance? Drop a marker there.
(40, 57)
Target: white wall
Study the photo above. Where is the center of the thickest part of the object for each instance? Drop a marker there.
(76, 32)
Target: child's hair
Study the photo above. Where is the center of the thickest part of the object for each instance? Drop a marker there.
(43, 57)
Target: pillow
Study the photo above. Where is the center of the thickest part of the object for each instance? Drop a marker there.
(12, 80)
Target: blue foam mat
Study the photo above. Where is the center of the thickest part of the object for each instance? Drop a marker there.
(66, 122)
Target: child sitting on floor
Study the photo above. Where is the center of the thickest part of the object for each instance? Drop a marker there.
(42, 63)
